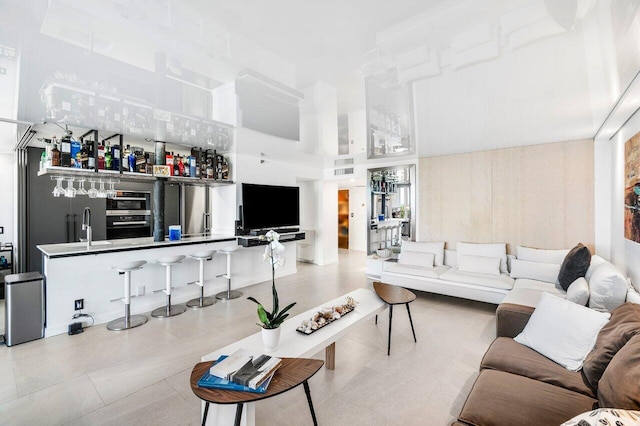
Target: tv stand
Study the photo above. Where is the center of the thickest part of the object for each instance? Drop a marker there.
(257, 232)
(253, 240)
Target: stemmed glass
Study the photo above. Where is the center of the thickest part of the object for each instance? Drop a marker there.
(58, 190)
(81, 190)
(101, 192)
(92, 192)
(70, 191)
(111, 192)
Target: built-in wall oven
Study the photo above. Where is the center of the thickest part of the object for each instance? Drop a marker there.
(129, 215)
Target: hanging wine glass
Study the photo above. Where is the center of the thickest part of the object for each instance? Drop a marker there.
(70, 192)
(92, 192)
(81, 190)
(58, 190)
(101, 192)
(111, 192)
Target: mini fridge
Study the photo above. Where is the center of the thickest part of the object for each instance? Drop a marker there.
(24, 312)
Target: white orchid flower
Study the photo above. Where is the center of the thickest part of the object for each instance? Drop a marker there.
(274, 250)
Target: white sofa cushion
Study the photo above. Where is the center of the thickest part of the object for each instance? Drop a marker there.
(398, 268)
(563, 331)
(633, 296)
(437, 248)
(450, 258)
(535, 270)
(525, 283)
(416, 258)
(541, 255)
(502, 281)
(578, 292)
(523, 296)
(608, 288)
(479, 264)
(487, 250)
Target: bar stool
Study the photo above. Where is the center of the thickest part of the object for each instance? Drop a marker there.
(201, 302)
(229, 294)
(168, 310)
(128, 321)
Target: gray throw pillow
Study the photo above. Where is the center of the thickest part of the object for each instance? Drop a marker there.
(574, 265)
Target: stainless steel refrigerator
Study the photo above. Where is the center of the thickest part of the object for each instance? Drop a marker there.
(195, 215)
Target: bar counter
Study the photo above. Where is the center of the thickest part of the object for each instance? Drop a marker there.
(129, 244)
(74, 272)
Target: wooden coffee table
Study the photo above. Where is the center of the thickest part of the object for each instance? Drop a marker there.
(292, 373)
(394, 295)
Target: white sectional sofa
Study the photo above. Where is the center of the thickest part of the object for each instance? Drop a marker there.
(485, 272)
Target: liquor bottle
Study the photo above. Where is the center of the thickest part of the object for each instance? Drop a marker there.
(101, 165)
(187, 166)
(108, 158)
(176, 165)
(180, 166)
(115, 157)
(209, 168)
(55, 156)
(65, 152)
(169, 162)
(91, 156)
(84, 156)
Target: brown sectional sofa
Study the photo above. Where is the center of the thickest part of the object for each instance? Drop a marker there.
(518, 386)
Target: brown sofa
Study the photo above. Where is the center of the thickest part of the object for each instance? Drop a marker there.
(518, 386)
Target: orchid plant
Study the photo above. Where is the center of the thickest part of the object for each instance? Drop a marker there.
(274, 254)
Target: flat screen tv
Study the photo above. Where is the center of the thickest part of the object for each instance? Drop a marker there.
(267, 207)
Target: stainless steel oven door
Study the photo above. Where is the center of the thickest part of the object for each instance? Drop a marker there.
(129, 201)
(128, 226)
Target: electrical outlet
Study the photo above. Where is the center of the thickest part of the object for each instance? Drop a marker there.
(78, 304)
(140, 290)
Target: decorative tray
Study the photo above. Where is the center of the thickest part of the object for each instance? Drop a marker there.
(326, 316)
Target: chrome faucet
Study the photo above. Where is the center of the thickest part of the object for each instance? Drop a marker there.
(86, 225)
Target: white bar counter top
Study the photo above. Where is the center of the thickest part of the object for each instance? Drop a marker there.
(107, 246)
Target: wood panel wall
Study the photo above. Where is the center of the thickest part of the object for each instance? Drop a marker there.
(536, 196)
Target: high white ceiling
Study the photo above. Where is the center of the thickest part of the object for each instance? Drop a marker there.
(485, 74)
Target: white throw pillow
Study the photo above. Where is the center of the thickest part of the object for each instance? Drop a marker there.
(479, 264)
(486, 250)
(416, 258)
(540, 271)
(595, 262)
(541, 255)
(608, 288)
(437, 248)
(578, 292)
(605, 416)
(563, 331)
(450, 258)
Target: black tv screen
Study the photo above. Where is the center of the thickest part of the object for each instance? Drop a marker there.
(269, 206)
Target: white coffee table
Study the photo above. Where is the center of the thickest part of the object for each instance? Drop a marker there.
(294, 344)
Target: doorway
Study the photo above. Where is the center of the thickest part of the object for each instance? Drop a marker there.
(343, 218)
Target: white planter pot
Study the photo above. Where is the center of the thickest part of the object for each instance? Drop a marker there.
(271, 339)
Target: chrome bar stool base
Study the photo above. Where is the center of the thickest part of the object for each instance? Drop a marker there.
(120, 323)
(228, 295)
(201, 303)
(168, 310)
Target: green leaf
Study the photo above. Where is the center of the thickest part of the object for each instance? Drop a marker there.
(253, 300)
(262, 314)
(287, 308)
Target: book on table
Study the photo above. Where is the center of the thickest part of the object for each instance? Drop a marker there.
(210, 381)
(245, 369)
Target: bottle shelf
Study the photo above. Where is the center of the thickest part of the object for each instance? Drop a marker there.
(126, 176)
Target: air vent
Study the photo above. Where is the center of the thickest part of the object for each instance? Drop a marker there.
(345, 171)
(343, 162)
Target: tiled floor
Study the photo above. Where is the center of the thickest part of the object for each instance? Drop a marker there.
(141, 376)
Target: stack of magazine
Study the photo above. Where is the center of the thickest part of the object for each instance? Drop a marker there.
(241, 371)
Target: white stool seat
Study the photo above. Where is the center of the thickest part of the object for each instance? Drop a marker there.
(201, 302)
(207, 254)
(229, 249)
(168, 310)
(130, 266)
(170, 260)
(127, 321)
